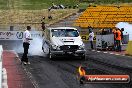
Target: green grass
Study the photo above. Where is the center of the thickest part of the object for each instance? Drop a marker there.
(3, 4)
(44, 4)
(33, 4)
(83, 5)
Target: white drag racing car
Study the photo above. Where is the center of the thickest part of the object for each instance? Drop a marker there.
(61, 41)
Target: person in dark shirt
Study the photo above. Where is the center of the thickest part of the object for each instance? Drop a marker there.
(43, 23)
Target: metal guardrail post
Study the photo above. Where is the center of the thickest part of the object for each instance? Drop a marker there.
(1, 50)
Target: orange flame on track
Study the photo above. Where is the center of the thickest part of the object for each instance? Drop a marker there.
(81, 71)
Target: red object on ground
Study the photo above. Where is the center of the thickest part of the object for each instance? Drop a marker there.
(16, 76)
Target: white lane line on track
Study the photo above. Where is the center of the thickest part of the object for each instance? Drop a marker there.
(117, 54)
(93, 50)
(4, 78)
(98, 51)
(123, 55)
(105, 52)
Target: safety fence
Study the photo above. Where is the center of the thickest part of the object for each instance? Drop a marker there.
(1, 50)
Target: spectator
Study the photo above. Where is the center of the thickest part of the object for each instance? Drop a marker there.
(69, 6)
(61, 6)
(43, 23)
(75, 6)
(54, 6)
(49, 14)
(49, 9)
(50, 17)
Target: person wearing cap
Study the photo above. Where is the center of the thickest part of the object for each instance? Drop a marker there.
(26, 43)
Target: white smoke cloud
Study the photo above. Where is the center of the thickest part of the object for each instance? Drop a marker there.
(127, 28)
(35, 47)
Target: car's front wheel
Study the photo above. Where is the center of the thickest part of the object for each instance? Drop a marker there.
(43, 49)
(50, 56)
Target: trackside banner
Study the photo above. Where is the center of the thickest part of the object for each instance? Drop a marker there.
(17, 35)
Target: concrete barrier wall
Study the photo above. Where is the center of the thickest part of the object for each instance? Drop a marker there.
(1, 50)
(17, 35)
(129, 48)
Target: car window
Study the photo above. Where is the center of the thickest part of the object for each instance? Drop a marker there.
(65, 33)
(58, 33)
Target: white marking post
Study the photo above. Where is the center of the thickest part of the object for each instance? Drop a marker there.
(1, 50)
(4, 80)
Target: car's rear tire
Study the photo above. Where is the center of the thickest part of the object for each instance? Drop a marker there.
(83, 57)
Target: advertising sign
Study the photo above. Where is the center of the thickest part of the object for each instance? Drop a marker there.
(17, 35)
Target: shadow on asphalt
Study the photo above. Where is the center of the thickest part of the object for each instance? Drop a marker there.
(66, 58)
(58, 58)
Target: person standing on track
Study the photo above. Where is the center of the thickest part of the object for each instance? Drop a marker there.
(122, 29)
(26, 43)
(114, 32)
(118, 39)
(91, 36)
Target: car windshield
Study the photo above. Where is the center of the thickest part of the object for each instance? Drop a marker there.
(64, 33)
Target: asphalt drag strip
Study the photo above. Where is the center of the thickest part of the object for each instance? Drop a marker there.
(62, 73)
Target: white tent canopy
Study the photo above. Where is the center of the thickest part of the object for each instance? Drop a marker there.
(127, 28)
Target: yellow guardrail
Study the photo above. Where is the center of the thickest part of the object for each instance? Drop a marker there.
(129, 48)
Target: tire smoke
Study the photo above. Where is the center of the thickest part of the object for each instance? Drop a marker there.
(35, 47)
